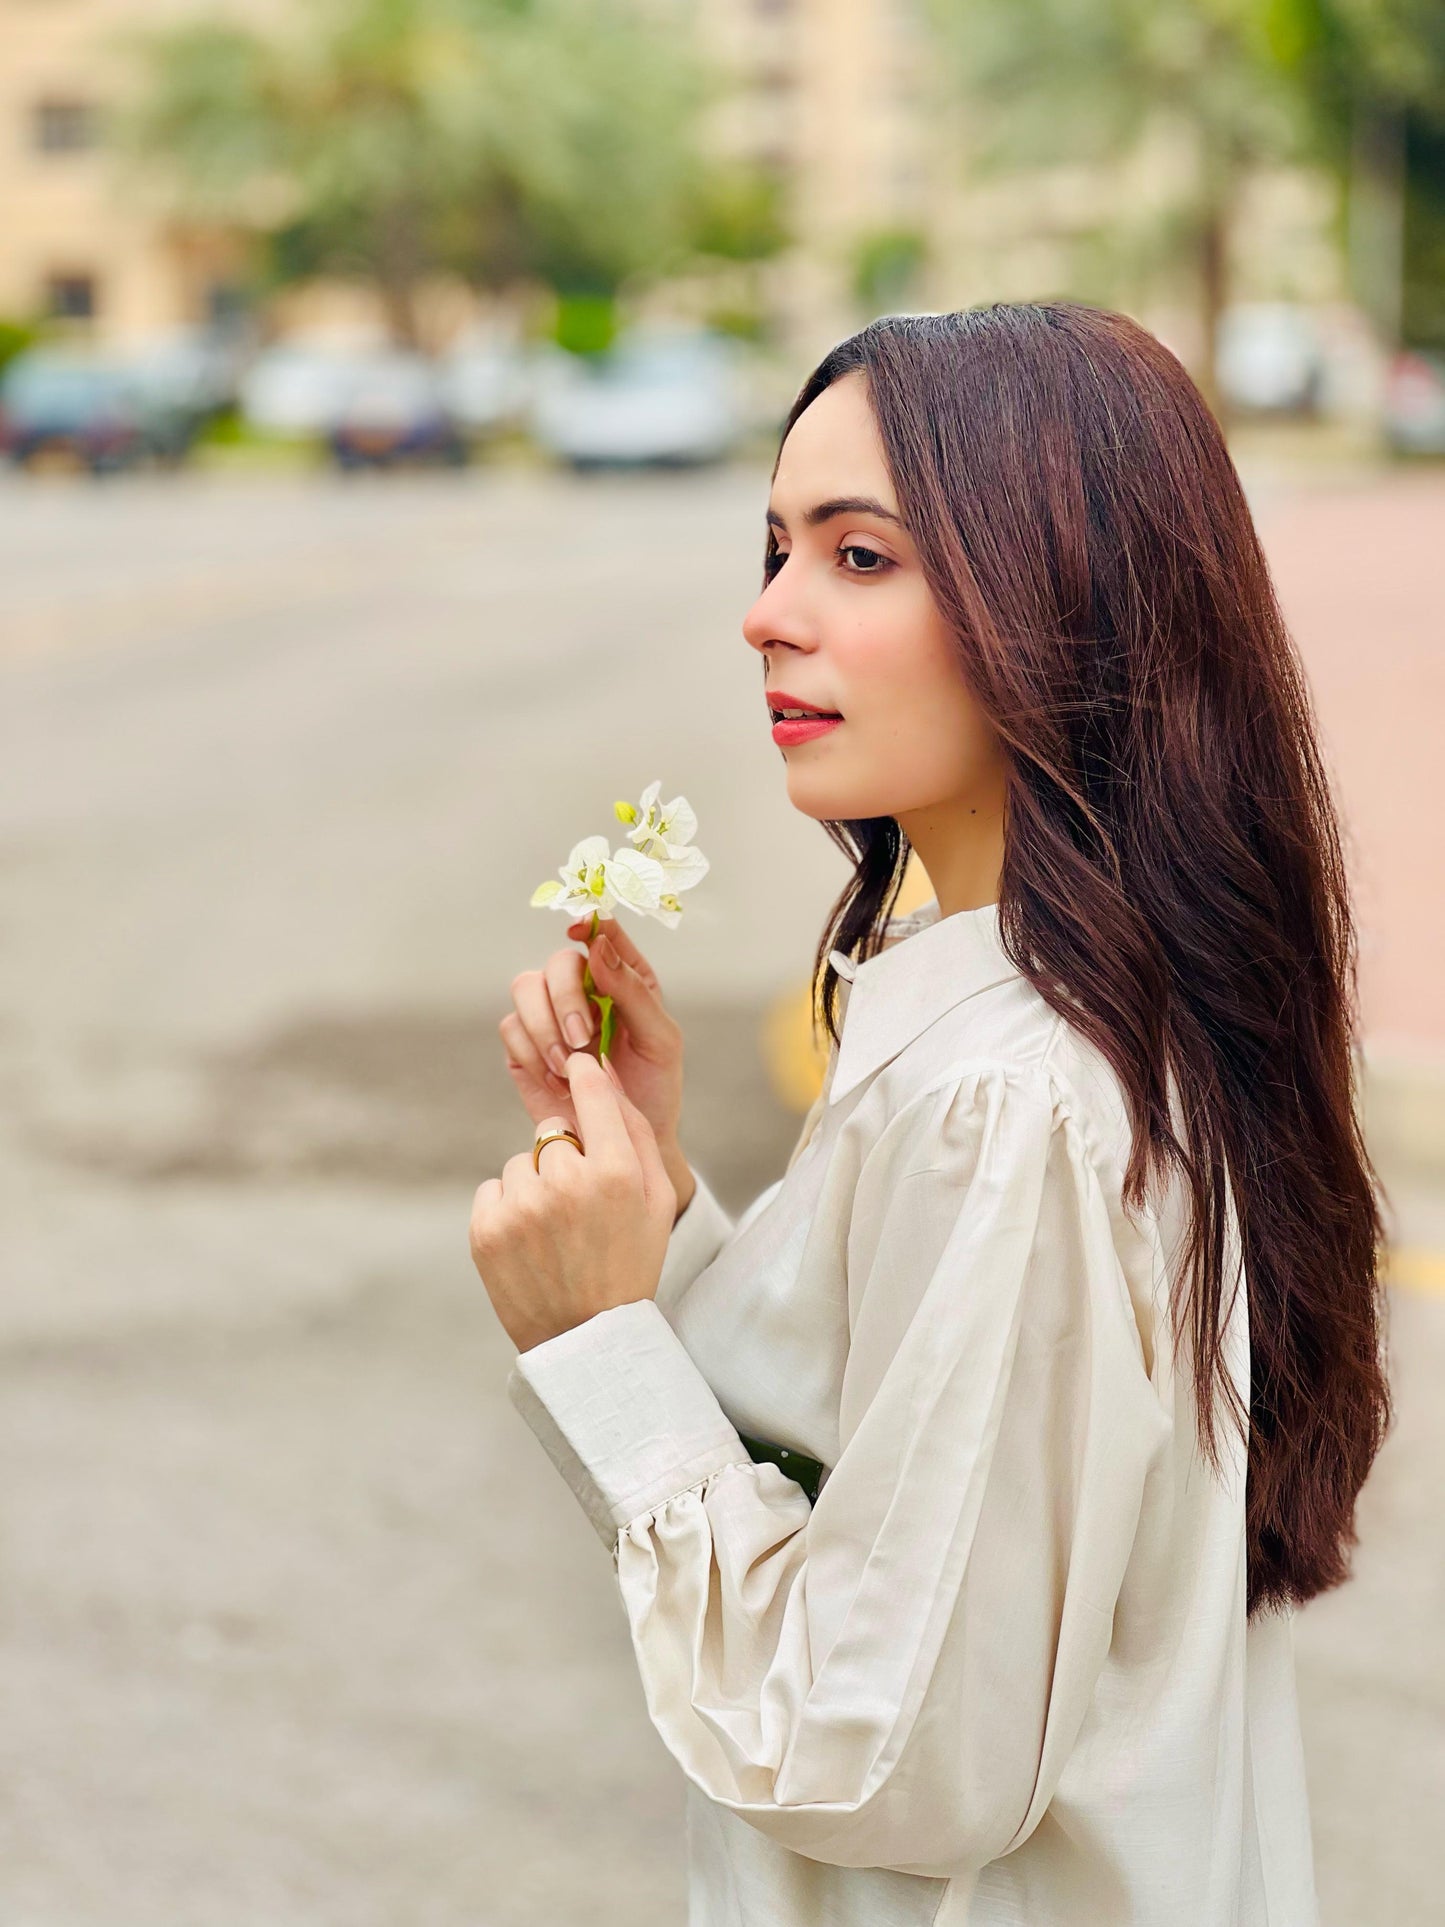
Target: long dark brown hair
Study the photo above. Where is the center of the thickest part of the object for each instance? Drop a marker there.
(1173, 879)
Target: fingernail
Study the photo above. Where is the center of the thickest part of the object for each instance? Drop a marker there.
(609, 955)
(577, 1028)
(607, 1066)
(557, 1058)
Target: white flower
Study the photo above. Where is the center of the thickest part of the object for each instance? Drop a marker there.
(664, 832)
(594, 881)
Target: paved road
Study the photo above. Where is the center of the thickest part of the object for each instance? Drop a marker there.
(297, 1626)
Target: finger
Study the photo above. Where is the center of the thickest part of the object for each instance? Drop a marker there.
(574, 1009)
(656, 1182)
(532, 1075)
(552, 1154)
(598, 1104)
(622, 943)
(635, 993)
(534, 1006)
(479, 1226)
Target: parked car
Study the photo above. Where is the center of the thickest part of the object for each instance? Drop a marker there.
(89, 410)
(195, 371)
(393, 409)
(297, 388)
(664, 396)
(486, 383)
(1270, 358)
(1414, 405)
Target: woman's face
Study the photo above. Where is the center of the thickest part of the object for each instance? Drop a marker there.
(847, 621)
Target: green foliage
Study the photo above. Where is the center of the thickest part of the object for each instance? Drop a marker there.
(15, 338)
(1349, 56)
(500, 140)
(1085, 80)
(886, 265)
(738, 214)
(585, 324)
(742, 322)
(1423, 306)
(1108, 82)
(1236, 84)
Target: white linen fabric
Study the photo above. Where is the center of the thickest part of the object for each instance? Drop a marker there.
(1000, 1671)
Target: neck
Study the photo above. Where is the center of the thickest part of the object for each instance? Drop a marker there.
(960, 845)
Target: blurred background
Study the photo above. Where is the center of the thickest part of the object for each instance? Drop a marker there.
(389, 393)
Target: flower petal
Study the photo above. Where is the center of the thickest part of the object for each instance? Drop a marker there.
(544, 892)
(681, 821)
(636, 878)
(591, 850)
(684, 868)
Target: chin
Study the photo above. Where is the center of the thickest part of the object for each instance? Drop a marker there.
(822, 796)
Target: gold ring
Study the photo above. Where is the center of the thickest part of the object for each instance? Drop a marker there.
(546, 1138)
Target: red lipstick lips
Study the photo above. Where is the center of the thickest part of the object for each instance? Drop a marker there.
(798, 729)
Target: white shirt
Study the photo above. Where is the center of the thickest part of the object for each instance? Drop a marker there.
(1000, 1671)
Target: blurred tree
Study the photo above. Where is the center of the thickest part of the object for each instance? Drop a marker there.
(585, 324)
(1373, 72)
(1108, 81)
(886, 265)
(15, 338)
(738, 223)
(502, 140)
(1422, 252)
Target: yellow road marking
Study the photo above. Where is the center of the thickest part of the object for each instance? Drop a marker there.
(1412, 1270)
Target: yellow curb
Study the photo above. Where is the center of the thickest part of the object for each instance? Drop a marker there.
(795, 1061)
(794, 1065)
(1417, 1271)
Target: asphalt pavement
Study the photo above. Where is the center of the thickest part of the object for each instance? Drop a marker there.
(297, 1624)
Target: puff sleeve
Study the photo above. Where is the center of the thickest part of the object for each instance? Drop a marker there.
(894, 1676)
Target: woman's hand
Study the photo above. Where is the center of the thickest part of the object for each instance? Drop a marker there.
(585, 1231)
(646, 1048)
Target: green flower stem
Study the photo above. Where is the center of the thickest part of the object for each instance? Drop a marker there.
(604, 1004)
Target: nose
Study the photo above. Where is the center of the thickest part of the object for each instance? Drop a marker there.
(776, 622)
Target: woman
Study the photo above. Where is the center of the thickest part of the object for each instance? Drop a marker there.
(1027, 1656)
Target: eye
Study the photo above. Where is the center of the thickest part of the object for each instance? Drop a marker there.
(857, 548)
(878, 564)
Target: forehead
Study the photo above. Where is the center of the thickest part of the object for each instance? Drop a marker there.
(833, 448)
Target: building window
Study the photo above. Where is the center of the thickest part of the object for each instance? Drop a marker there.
(65, 126)
(71, 297)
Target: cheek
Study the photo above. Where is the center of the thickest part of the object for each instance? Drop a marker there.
(902, 673)
(920, 731)
(891, 655)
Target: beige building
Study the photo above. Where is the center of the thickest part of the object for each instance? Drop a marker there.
(839, 99)
(831, 96)
(77, 240)
(823, 92)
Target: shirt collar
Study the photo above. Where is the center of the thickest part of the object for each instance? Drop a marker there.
(931, 964)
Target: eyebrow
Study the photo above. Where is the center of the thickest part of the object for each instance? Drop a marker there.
(839, 505)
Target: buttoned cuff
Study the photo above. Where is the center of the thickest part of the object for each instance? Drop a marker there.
(623, 1413)
(696, 1239)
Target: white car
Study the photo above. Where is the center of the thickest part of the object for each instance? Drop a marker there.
(1271, 360)
(658, 396)
(298, 388)
(196, 370)
(486, 382)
